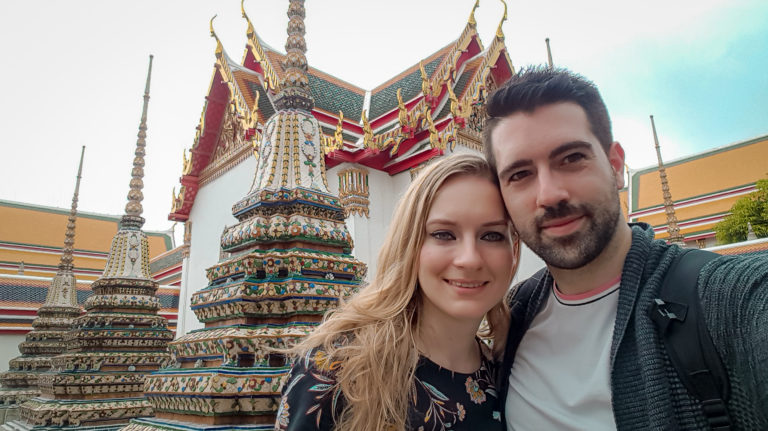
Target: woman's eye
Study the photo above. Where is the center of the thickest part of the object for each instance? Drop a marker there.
(442, 235)
(494, 236)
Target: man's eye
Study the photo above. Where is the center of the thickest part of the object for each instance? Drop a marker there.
(519, 175)
(574, 157)
(442, 235)
(493, 237)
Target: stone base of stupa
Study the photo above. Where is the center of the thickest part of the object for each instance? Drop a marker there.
(155, 424)
(97, 414)
(15, 396)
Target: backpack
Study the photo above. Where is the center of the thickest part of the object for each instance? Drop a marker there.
(678, 315)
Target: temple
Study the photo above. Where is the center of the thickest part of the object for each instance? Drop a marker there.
(704, 187)
(284, 264)
(98, 381)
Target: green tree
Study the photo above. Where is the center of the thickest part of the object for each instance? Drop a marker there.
(752, 208)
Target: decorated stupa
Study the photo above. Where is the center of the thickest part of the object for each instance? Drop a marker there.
(53, 321)
(284, 264)
(97, 383)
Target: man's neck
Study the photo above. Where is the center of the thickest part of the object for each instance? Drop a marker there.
(605, 267)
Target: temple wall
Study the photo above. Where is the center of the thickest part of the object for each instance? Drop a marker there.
(210, 214)
(9, 348)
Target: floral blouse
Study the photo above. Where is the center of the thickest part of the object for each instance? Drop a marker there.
(445, 400)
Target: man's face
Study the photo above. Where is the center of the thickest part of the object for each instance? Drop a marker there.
(558, 184)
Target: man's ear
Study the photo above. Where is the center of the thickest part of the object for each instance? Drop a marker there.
(616, 159)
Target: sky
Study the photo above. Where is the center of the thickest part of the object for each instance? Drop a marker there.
(74, 73)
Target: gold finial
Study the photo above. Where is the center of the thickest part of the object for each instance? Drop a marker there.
(434, 139)
(367, 132)
(471, 21)
(133, 208)
(219, 46)
(549, 54)
(69, 236)
(454, 101)
(499, 31)
(338, 134)
(402, 112)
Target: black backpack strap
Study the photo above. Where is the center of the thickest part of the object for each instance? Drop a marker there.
(679, 317)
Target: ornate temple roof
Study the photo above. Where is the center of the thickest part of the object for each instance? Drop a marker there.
(440, 104)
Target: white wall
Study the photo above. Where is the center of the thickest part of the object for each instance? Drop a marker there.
(211, 212)
(9, 348)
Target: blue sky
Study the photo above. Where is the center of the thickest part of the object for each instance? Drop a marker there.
(74, 75)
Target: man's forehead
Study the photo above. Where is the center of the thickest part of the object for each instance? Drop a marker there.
(525, 134)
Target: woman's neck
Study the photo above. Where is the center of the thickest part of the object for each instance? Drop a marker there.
(449, 343)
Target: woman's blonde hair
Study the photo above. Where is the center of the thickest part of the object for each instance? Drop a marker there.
(372, 334)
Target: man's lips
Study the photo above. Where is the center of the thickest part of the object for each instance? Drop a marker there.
(561, 226)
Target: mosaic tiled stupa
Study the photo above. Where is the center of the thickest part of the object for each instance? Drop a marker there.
(97, 383)
(53, 321)
(285, 263)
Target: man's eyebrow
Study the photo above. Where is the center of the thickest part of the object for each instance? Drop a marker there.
(564, 148)
(568, 147)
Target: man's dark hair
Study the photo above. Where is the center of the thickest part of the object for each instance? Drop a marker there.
(538, 86)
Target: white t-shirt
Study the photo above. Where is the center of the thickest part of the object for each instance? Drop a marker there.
(560, 379)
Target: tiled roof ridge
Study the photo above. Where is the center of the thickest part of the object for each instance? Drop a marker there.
(323, 75)
(440, 52)
(64, 211)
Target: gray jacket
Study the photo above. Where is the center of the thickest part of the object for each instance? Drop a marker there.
(647, 394)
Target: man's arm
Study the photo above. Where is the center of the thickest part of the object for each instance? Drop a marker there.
(734, 295)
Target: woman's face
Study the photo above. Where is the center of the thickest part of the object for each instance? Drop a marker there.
(466, 262)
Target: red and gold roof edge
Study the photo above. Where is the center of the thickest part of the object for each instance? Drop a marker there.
(392, 151)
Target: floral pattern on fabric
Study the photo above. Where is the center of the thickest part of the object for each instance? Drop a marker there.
(442, 399)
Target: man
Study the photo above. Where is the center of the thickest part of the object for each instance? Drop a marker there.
(589, 356)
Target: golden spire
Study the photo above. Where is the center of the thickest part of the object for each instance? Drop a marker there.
(69, 236)
(549, 54)
(499, 31)
(295, 93)
(133, 208)
(471, 20)
(669, 206)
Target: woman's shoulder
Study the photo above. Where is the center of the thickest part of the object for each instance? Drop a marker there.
(311, 397)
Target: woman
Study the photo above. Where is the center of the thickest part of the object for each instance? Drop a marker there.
(403, 353)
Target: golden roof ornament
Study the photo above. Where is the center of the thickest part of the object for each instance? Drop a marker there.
(499, 31)
(367, 132)
(471, 20)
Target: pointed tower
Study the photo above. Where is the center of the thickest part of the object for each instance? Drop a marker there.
(98, 382)
(53, 321)
(669, 206)
(285, 263)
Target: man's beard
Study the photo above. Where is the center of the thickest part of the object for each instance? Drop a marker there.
(579, 248)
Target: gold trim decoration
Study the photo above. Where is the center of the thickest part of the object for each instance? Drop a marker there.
(271, 78)
(353, 191)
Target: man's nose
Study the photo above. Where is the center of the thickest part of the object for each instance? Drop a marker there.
(551, 190)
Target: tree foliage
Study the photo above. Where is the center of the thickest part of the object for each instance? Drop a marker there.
(752, 208)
